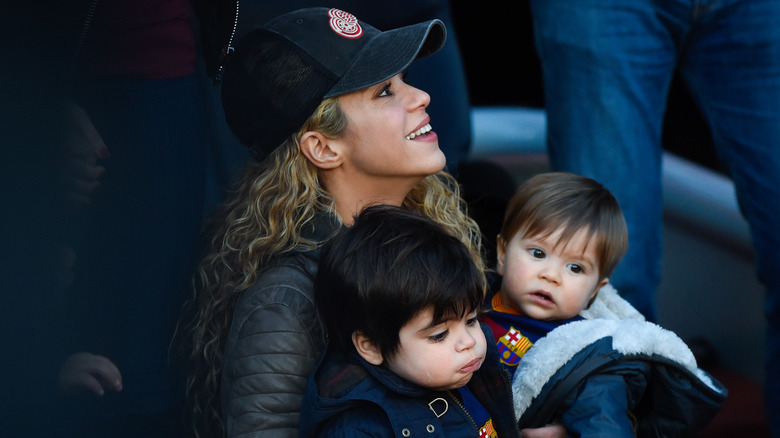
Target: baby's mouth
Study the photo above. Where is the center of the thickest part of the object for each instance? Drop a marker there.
(472, 366)
(422, 131)
(544, 296)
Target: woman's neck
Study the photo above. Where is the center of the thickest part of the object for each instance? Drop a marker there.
(352, 196)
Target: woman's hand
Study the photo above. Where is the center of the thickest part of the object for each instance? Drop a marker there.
(89, 372)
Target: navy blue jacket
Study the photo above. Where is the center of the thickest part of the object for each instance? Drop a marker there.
(348, 397)
(615, 376)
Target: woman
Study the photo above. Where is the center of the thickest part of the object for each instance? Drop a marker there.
(320, 97)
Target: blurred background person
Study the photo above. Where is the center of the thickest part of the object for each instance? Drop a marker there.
(607, 68)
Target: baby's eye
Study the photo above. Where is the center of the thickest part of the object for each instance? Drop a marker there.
(438, 337)
(537, 253)
(577, 269)
(472, 321)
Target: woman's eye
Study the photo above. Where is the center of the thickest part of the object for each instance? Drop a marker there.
(438, 337)
(577, 269)
(386, 91)
(536, 253)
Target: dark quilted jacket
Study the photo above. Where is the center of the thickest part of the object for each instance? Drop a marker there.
(274, 343)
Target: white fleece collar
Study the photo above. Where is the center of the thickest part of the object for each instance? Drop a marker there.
(610, 315)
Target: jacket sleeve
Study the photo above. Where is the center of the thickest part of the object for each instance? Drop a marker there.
(274, 348)
(600, 409)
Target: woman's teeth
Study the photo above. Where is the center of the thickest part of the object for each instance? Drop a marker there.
(424, 130)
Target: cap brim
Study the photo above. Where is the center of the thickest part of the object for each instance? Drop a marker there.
(390, 53)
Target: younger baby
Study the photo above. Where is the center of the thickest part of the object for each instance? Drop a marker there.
(580, 354)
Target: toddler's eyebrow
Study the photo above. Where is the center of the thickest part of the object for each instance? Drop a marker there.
(430, 325)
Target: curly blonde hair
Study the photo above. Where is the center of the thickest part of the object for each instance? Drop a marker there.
(263, 217)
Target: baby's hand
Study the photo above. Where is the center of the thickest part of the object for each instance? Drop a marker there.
(90, 372)
(551, 431)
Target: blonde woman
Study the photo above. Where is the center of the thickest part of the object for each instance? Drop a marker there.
(319, 97)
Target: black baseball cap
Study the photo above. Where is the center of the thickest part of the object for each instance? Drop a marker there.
(280, 72)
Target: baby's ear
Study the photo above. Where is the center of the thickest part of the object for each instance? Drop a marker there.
(596, 290)
(500, 255)
(367, 349)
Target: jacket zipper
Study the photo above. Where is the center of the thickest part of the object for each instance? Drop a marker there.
(228, 49)
(85, 26)
(463, 408)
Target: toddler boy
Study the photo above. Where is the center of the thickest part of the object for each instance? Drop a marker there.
(407, 356)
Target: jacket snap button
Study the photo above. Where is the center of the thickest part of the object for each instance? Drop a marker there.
(406, 432)
(430, 428)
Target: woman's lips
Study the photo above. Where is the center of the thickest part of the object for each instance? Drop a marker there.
(422, 131)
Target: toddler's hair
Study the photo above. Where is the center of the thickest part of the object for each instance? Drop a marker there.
(391, 264)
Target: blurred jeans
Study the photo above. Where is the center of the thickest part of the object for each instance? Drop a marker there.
(607, 67)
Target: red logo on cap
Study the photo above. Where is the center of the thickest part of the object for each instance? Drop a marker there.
(345, 24)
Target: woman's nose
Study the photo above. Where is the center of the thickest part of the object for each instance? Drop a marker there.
(418, 98)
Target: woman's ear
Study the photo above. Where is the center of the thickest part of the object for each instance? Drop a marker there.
(367, 349)
(317, 149)
(500, 254)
